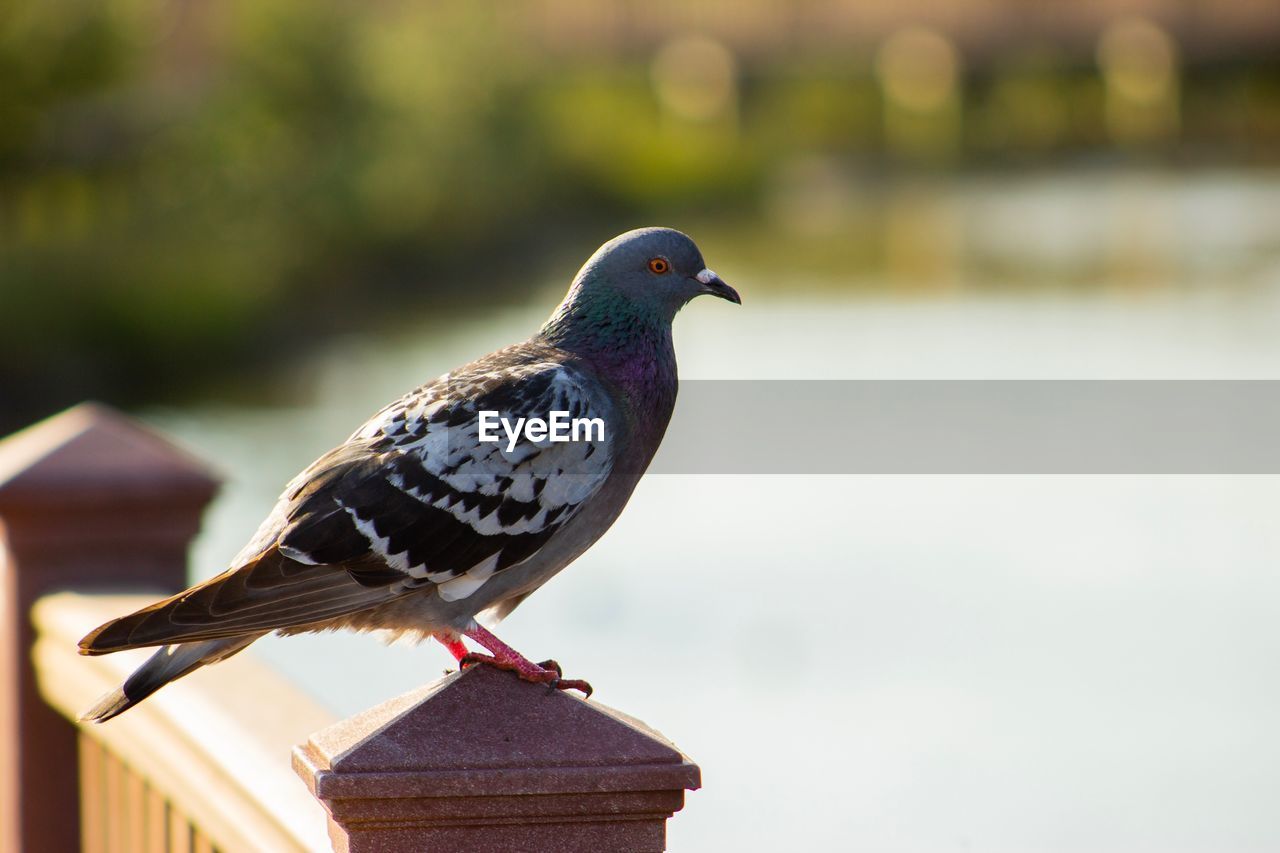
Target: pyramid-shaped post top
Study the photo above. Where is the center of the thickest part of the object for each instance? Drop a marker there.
(481, 761)
(92, 454)
(484, 732)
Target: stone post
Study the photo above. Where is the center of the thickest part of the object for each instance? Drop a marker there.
(482, 762)
(94, 501)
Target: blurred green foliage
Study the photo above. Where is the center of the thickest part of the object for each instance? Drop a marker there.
(194, 188)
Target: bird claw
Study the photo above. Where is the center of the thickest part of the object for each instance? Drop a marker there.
(574, 684)
(551, 664)
(558, 683)
(562, 683)
(470, 659)
(547, 672)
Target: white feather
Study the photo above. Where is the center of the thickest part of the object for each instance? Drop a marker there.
(465, 584)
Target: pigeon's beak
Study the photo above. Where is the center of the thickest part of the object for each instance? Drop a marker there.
(712, 284)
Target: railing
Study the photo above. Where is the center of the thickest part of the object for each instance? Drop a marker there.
(201, 763)
(96, 514)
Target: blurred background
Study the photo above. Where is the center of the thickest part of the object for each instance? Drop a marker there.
(194, 191)
(252, 224)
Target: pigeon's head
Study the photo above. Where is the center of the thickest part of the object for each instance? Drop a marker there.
(630, 291)
(659, 269)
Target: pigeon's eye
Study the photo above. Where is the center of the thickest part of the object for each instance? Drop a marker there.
(659, 266)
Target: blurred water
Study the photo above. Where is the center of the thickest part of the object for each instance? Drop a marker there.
(887, 663)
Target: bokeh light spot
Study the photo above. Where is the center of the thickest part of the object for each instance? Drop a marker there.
(918, 69)
(695, 78)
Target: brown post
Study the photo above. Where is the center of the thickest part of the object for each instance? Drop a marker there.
(482, 762)
(93, 501)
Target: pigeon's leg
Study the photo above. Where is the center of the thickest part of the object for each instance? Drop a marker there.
(504, 657)
(454, 644)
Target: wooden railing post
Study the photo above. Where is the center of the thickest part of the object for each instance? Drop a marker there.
(481, 761)
(93, 501)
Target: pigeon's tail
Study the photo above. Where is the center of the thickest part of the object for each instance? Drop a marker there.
(267, 593)
(169, 663)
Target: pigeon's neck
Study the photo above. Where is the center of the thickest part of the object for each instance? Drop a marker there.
(628, 343)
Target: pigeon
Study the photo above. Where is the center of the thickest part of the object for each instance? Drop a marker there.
(421, 524)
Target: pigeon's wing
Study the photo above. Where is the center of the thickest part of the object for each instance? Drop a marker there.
(413, 499)
(429, 501)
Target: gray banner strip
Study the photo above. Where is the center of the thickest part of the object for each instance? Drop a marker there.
(974, 427)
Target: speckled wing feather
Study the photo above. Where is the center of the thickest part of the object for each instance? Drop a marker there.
(413, 499)
(415, 496)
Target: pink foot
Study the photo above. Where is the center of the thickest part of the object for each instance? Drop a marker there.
(505, 657)
(454, 644)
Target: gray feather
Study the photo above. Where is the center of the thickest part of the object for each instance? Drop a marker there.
(168, 664)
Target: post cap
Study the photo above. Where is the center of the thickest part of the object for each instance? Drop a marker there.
(484, 732)
(92, 454)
